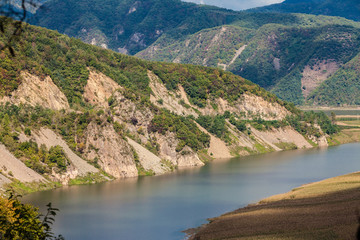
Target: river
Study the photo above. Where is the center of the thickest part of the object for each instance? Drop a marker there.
(161, 207)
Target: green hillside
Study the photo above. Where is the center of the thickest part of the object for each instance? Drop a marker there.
(275, 56)
(288, 54)
(66, 60)
(130, 26)
(349, 9)
(132, 116)
(342, 87)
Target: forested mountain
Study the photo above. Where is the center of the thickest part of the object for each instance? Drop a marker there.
(74, 113)
(129, 26)
(289, 54)
(291, 59)
(349, 9)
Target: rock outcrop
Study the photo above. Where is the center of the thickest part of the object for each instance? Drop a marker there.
(185, 158)
(163, 98)
(113, 153)
(78, 166)
(36, 91)
(99, 89)
(282, 135)
(148, 160)
(11, 167)
(250, 105)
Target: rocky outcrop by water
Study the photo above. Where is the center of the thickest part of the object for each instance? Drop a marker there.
(118, 139)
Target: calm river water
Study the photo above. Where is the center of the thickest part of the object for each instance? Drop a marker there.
(161, 207)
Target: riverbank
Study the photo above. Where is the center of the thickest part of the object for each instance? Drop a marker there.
(350, 133)
(350, 130)
(321, 210)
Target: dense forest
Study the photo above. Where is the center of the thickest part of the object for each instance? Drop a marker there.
(274, 50)
(347, 8)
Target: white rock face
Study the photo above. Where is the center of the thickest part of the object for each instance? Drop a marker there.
(148, 160)
(169, 99)
(281, 135)
(35, 91)
(12, 167)
(217, 148)
(185, 158)
(114, 154)
(79, 166)
(99, 89)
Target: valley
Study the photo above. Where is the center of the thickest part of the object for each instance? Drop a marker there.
(304, 59)
(158, 107)
(87, 114)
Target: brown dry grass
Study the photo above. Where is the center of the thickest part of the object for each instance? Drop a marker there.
(323, 210)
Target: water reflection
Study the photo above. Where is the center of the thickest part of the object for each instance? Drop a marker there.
(161, 207)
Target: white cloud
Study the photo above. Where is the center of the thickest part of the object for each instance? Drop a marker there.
(202, 2)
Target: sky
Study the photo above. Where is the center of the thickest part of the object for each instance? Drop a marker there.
(236, 4)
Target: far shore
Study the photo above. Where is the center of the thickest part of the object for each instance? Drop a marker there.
(329, 209)
(329, 108)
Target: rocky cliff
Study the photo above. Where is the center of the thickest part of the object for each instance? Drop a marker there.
(120, 142)
(88, 114)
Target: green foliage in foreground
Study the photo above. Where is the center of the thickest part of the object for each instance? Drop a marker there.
(20, 221)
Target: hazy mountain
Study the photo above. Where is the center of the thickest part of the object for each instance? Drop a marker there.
(291, 59)
(129, 25)
(349, 9)
(289, 54)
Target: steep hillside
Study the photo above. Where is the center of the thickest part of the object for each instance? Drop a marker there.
(288, 54)
(133, 25)
(342, 87)
(349, 9)
(76, 113)
(292, 60)
(127, 26)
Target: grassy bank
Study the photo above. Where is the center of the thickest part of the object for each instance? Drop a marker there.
(322, 210)
(350, 130)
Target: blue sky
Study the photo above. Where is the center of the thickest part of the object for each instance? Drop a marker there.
(236, 4)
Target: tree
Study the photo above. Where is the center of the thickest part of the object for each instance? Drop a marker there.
(333, 118)
(22, 221)
(17, 10)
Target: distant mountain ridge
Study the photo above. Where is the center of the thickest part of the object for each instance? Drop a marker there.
(290, 60)
(128, 26)
(73, 113)
(349, 9)
(289, 54)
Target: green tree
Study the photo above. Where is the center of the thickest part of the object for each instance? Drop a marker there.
(57, 155)
(20, 221)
